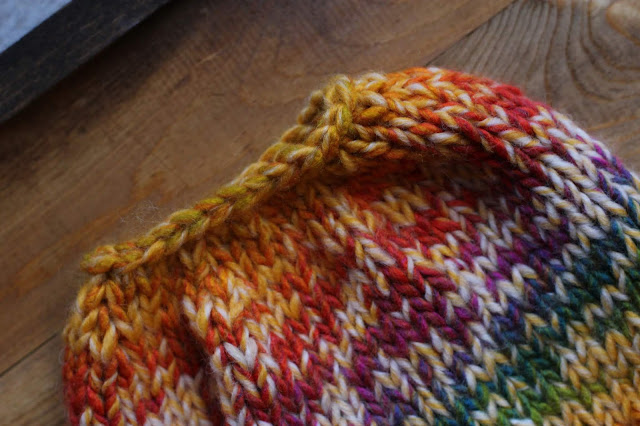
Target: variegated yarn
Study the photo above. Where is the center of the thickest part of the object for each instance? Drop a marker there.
(423, 247)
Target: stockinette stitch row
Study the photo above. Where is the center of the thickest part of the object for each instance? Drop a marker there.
(423, 247)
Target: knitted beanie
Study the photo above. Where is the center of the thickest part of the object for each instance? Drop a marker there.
(423, 247)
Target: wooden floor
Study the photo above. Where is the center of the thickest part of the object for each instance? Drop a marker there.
(187, 99)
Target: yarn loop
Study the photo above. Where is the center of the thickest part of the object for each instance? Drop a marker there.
(308, 146)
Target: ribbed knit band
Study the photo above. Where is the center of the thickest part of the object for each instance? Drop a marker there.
(423, 247)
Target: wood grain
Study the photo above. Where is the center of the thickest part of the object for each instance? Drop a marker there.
(160, 119)
(32, 394)
(581, 57)
(175, 109)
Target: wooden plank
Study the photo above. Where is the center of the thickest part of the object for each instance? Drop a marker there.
(61, 43)
(32, 394)
(582, 58)
(167, 114)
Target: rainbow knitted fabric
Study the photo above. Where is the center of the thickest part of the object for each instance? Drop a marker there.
(423, 247)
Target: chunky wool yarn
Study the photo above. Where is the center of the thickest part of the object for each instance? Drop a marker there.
(423, 247)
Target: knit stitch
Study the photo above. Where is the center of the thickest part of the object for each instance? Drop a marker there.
(423, 247)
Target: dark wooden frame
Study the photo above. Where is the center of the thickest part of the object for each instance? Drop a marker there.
(61, 43)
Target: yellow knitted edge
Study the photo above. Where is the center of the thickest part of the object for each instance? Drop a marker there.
(323, 140)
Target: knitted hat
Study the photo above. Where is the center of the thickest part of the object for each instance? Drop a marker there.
(423, 247)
